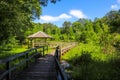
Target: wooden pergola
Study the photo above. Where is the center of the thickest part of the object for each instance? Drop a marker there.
(32, 39)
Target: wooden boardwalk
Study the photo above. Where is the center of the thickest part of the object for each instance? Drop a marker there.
(47, 67)
(43, 69)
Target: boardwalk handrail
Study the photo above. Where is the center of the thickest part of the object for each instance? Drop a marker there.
(65, 49)
(60, 71)
(28, 57)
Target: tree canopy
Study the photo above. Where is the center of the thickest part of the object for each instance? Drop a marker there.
(16, 16)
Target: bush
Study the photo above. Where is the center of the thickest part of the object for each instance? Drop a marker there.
(9, 44)
(84, 59)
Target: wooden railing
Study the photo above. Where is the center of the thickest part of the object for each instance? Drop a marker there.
(66, 49)
(61, 75)
(23, 60)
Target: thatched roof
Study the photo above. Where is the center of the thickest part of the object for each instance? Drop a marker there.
(39, 34)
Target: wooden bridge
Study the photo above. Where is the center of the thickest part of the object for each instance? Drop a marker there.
(34, 65)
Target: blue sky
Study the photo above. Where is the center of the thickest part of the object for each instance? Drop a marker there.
(72, 10)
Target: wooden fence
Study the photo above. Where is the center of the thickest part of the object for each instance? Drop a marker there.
(60, 70)
(61, 75)
(24, 60)
(66, 49)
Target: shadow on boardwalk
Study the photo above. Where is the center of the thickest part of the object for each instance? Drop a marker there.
(43, 69)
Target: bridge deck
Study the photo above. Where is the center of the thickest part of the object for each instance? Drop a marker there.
(43, 69)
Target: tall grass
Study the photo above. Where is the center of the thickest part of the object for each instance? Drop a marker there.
(89, 63)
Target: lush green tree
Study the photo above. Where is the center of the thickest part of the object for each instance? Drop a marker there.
(36, 27)
(77, 26)
(97, 26)
(66, 28)
(16, 17)
(112, 18)
(89, 26)
(55, 30)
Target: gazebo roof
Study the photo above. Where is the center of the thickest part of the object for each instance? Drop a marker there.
(39, 34)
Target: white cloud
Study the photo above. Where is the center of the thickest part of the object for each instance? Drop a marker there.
(78, 14)
(64, 16)
(48, 18)
(115, 6)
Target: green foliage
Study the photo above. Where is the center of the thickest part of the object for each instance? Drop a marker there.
(116, 43)
(9, 44)
(97, 26)
(106, 42)
(89, 63)
(16, 17)
(112, 18)
(77, 27)
(66, 29)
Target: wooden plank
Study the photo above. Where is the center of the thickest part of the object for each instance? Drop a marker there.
(44, 69)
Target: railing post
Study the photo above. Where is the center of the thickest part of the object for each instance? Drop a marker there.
(7, 68)
(58, 53)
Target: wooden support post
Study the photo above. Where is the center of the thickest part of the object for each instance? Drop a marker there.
(43, 50)
(7, 68)
(33, 43)
(47, 48)
(30, 43)
(58, 53)
(59, 50)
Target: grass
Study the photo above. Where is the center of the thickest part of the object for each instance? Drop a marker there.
(89, 63)
(7, 53)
